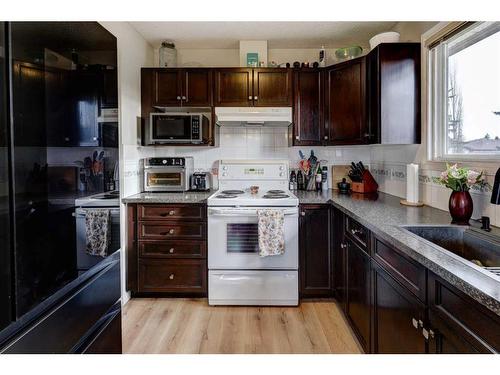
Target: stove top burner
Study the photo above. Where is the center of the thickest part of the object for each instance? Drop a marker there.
(224, 196)
(279, 192)
(232, 192)
(275, 196)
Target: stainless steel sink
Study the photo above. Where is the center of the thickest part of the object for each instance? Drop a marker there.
(468, 243)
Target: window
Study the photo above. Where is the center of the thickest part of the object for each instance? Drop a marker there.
(464, 94)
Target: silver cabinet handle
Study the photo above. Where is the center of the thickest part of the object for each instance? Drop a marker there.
(249, 97)
(171, 231)
(171, 251)
(302, 213)
(356, 231)
(66, 139)
(171, 277)
(183, 97)
(297, 137)
(326, 137)
(417, 323)
(255, 98)
(428, 334)
(178, 98)
(171, 212)
(343, 246)
(94, 138)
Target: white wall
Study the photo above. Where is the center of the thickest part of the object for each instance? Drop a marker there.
(133, 53)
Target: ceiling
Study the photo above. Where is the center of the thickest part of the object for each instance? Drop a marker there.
(278, 34)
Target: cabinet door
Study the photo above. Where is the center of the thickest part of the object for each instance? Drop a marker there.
(345, 100)
(233, 87)
(339, 258)
(358, 292)
(308, 108)
(197, 87)
(166, 87)
(272, 87)
(397, 316)
(60, 131)
(85, 97)
(315, 259)
(109, 91)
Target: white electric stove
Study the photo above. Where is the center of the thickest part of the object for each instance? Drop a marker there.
(237, 274)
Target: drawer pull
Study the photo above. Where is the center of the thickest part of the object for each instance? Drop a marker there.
(171, 231)
(356, 231)
(343, 246)
(428, 334)
(171, 277)
(171, 213)
(171, 251)
(417, 323)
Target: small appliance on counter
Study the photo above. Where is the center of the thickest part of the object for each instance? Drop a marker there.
(362, 180)
(200, 181)
(168, 174)
(344, 187)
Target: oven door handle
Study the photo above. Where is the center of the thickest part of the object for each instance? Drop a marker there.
(244, 212)
(83, 211)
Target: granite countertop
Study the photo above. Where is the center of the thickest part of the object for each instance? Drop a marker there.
(180, 197)
(383, 217)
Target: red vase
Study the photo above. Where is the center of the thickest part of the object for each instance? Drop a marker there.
(461, 207)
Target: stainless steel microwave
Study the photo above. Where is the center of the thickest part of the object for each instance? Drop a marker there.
(179, 125)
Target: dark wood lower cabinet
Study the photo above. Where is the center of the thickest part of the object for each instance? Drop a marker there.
(398, 316)
(358, 292)
(339, 259)
(315, 251)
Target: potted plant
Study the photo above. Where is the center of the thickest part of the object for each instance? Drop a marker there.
(461, 180)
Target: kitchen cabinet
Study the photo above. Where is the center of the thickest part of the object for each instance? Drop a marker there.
(393, 80)
(173, 87)
(29, 104)
(247, 87)
(457, 323)
(308, 107)
(358, 308)
(315, 268)
(109, 89)
(398, 316)
(84, 94)
(345, 103)
(167, 249)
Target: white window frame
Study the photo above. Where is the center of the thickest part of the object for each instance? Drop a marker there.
(437, 85)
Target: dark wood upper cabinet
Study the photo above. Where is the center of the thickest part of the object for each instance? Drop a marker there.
(175, 87)
(196, 87)
(109, 90)
(393, 73)
(398, 316)
(234, 87)
(315, 252)
(308, 107)
(345, 100)
(166, 86)
(272, 87)
(245, 87)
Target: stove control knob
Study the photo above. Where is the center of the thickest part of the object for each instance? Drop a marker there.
(224, 174)
(224, 168)
(281, 174)
(281, 167)
(164, 161)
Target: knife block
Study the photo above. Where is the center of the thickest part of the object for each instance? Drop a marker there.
(368, 185)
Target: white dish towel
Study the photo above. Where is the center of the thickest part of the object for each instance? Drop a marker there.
(271, 232)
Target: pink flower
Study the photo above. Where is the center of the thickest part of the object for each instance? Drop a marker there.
(472, 177)
(444, 176)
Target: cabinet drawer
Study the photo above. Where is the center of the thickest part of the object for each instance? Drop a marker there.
(172, 249)
(177, 276)
(408, 272)
(171, 212)
(155, 230)
(473, 321)
(357, 232)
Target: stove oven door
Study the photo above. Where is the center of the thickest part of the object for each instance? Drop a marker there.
(233, 240)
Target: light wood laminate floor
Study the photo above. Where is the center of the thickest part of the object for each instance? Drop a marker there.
(179, 325)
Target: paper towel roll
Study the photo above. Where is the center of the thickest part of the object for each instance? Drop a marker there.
(412, 183)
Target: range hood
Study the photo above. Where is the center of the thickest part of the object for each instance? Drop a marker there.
(253, 116)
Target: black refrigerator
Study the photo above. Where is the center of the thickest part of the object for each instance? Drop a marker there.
(46, 305)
